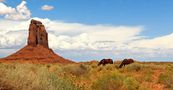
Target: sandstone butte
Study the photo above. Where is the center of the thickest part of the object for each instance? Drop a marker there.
(37, 49)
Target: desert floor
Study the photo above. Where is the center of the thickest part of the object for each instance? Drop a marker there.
(86, 76)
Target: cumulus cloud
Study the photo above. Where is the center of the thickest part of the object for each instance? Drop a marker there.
(5, 9)
(12, 39)
(93, 40)
(21, 12)
(47, 7)
(77, 36)
(163, 42)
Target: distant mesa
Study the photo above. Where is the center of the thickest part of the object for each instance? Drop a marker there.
(37, 49)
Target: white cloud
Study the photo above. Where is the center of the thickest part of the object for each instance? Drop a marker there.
(21, 12)
(119, 41)
(5, 9)
(163, 42)
(75, 35)
(47, 7)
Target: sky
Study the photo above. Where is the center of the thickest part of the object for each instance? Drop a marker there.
(84, 30)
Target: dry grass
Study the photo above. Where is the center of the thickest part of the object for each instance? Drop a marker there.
(86, 76)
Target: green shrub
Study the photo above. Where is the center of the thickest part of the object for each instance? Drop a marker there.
(148, 75)
(133, 67)
(76, 70)
(109, 67)
(83, 76)
(32, 77)
(166, 79)
(108, 82)
(116, 66)
(131, 84)
(169, 67)
(48, 65)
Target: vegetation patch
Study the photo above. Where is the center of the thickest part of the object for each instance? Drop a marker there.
(86, 76)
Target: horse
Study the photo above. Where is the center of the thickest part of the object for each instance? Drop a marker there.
(126, 62)
(105, 61)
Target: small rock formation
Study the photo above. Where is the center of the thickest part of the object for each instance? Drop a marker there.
(37, 49)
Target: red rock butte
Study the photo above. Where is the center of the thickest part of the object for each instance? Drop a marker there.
(37, 49)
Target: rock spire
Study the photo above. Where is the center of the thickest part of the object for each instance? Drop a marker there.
(37, 34)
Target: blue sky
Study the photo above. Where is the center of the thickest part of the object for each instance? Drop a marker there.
(154, 16)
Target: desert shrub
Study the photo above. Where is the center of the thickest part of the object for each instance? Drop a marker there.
(76, 70)
(82, 76)
(4, 86)
(167, 79)
(109, 67)
(169, 67)
(99, 69)
(143, 88)
(48, 65)
(116, 66)
(57, 69)
(94, 65)
(109, 81)
(133, 67)
(131, 84)
(60, 83)
(32, 77)
(147, 76)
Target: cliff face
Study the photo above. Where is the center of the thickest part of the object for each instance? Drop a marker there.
(37, 49)
(37, 34)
